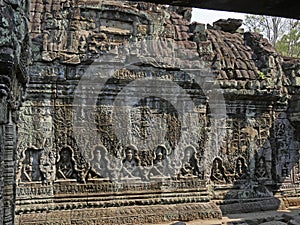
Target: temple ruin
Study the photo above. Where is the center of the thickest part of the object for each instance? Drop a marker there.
(116, 112)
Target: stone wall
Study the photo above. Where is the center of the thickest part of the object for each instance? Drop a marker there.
(291, 68)
(130, 109)
(14, 53)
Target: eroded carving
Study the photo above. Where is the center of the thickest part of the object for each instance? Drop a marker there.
(241, 169)
(148, 147)
(100, 162)
(218, 172)
(66, 164)
(190, 163)
(130, 162)
(31, 165)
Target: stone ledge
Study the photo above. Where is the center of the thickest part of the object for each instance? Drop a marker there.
(246, 206)
(124, 215)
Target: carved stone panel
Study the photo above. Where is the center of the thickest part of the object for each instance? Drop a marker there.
(170, 114)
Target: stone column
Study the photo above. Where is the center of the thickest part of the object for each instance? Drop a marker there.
(2, 131)
(14, 49)
(5, 74)
(8, 137)
(9, 172)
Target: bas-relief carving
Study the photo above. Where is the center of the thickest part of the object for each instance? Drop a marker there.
(263, 137)
(66, 164)
(134, 163)
(287, 148)
(49, 154)
(100, 163)
(141, 163)
(162, 166)
(131, 163)
(31, 165)
(78, 32)
(241, 169)
(218, 172)
(35, 144)
(190, 163)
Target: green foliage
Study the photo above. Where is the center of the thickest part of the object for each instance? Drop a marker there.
(271, 27)
(283, 33)
(289, 44)
(261, 75)
(252, 21)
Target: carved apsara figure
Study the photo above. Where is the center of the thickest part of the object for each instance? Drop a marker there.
(260, 168)
(65, 167)
(190, 165)
(31, 171)
(47, 167)
(218, 173)
(99, 162)
(241, 170)
(47, 162)
(160, 163)
(130, 162)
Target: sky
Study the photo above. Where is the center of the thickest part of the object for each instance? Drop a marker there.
(209, 16)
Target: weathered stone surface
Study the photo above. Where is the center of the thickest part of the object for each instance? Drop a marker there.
(211, 126)
(292, 70)
(229, 25)
(14, 53)
(246, 67)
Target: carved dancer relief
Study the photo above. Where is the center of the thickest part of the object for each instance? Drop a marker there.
(247, 141)
(190, 163)
(66, 164)
(72, 155)
(31, 166)
(35, 145)
(241, 169)
(286, 148)
(47, 167)
(261, 168)
(221, 175)
(142, 165)
(104, 165)
(131, 162)
(161, 164)
(100, 163)
(218, 172)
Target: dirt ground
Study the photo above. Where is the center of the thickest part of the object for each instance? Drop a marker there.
(242, 217)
